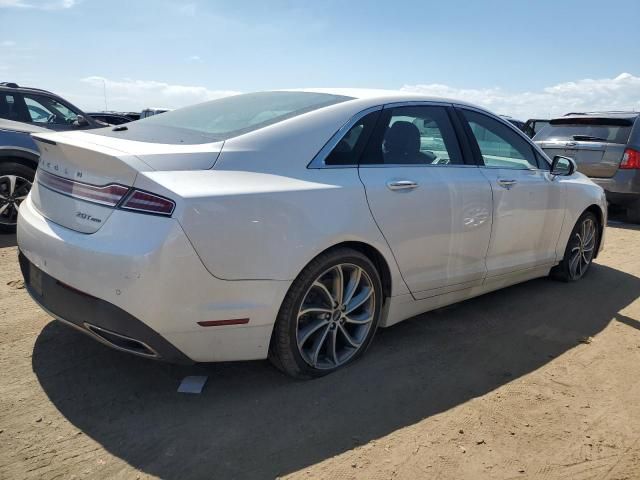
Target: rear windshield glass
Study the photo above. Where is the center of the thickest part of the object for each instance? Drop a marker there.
(587, 129)
(232, 116)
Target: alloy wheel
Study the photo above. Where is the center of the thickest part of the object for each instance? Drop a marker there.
(583, 249)
(335, 316)
(13, 190)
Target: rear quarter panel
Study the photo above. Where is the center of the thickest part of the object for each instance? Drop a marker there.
(248, 225)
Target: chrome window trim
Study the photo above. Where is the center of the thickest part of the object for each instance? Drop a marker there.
(417, 103)
(416, 165)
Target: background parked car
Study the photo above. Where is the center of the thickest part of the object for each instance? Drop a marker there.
(606, 147)
(112, 118)
(534, 125)
(133, 116)
(24, 111)
(148, 112)
(514, 121)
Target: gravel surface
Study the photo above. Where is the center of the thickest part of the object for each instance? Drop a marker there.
(541, 380)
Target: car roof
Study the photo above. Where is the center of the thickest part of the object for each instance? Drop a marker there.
(380, 96)
(15, 87)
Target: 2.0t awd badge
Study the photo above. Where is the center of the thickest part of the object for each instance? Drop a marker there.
(86, 216)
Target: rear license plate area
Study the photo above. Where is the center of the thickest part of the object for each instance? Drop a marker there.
(35, 279)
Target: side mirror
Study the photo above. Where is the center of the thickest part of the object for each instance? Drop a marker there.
(563, 166)
(81, 121)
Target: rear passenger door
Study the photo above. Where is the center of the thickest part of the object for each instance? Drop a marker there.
(430, 201)
(528, 205)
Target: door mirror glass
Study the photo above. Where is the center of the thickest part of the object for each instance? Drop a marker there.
(81, 121)
(563, 166)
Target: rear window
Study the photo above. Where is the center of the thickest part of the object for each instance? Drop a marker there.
(232, 116)
(614, 130)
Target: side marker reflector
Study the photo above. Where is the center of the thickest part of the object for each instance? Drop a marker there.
(219, 323)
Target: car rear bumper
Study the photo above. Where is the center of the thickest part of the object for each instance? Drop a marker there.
(101, 320)
(140, 278)
(621, 189)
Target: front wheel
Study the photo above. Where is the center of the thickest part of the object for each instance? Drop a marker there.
(329, 315)
(15, 183)
(580, 250)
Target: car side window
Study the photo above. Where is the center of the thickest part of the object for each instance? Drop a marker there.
(351, 146)
(47, 110)
(499, 145)
(12, 108)
(415, 135)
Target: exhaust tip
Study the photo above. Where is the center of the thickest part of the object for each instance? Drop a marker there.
(121, 342)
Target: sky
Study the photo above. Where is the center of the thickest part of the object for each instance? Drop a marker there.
(525, 59)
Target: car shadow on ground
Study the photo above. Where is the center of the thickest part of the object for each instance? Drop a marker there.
(8, 240)
(253, 422)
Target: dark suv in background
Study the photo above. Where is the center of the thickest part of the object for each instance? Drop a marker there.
(606, 148)
(24, 111)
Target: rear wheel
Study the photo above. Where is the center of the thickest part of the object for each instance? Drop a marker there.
(581, 249)
(329, 315)
(15, 183)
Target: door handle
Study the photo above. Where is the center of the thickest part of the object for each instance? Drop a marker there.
(402, 185)
(508, 184)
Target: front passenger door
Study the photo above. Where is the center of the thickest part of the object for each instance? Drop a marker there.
(528, 205)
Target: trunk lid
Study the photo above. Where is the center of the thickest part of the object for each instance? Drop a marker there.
(594, 159)
(72, 164)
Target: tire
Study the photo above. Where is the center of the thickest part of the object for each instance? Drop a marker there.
(303, 338)
(579, 253)
(15, 182)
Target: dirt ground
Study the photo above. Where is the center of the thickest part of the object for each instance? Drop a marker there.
(541, 380)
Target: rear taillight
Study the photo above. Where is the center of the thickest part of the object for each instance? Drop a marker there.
(146, 202)
(630, 159)
(112, 195)
(109, 195)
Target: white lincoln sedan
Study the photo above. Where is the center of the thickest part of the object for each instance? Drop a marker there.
(292, 224)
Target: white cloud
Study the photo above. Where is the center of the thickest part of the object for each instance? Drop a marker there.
(619, 93)
(39, 4)
(195, 58)
(7, 43)
(131, 94)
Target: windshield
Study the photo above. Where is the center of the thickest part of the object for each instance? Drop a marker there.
(232, 116)
(588, 129)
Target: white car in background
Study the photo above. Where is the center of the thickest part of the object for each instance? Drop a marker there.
(293, 224)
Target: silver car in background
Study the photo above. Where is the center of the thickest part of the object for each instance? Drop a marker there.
(606, 148)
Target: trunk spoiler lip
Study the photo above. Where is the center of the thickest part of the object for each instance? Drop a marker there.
(75, 139)
(143, 151)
